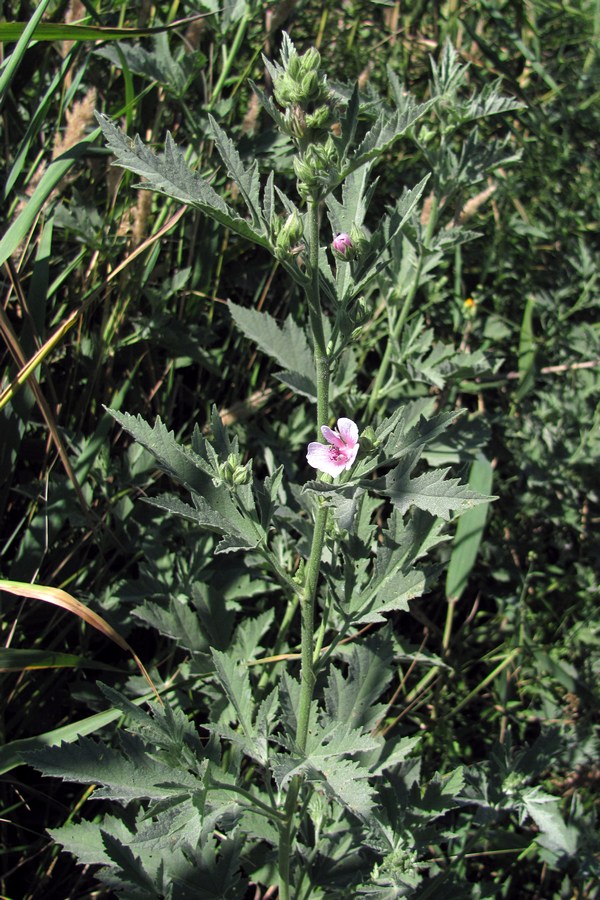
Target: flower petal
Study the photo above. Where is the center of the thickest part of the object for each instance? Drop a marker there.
(348, 431)
(351, 456)
(319, 457)
(332, 437)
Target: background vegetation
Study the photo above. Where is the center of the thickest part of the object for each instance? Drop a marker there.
(123, 297)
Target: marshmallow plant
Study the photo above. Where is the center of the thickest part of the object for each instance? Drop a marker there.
(284, 774)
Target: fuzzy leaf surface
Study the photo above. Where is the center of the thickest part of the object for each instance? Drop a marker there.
(130, 776)
(170, 174)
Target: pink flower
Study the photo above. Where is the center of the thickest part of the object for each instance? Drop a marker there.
(342, 450)
(342, 243)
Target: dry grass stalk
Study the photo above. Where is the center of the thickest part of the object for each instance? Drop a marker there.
(78, 121)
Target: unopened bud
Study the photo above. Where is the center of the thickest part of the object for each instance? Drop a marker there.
(368, 441)
(291, 232)
(341, 244)
(311, 60)
(319, 119)
(294, 64)
(310, 86)
(242, 474)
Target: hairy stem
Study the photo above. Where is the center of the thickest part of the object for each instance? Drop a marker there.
(309, 593)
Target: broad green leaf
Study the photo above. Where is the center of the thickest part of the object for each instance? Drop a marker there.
(200, 512)
(469, 532)
(178, 622)
(555, 834)
(185, 465)
(389, 593)
(158, 65)
(388, 128)
(349, 122)
(213, 506)
(85, 841)
(130, 867)
(325, 765)
(165, 727)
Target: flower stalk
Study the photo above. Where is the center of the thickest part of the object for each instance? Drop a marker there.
(309, 593)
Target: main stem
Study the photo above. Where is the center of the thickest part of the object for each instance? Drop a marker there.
(309, 593)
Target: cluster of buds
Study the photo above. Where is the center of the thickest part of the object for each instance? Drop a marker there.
(317, 169)
(303, 93)
(233, 472)
(288, 236)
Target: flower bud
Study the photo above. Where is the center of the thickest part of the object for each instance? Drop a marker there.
(289, 236)
(291, 230)
(319, 119)
(294, 64)
(368, 441)
(341, 244)
(311, 60)
(310, 86)
(242, 474)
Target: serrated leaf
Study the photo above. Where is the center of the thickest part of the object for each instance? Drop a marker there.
(246, 179)
(442, 793)
(555, 833)
(352, 699)
(158, 65)
(201, 512)
(300, 384)
(287, 344)
(178, 622)
(124, 777)
(84, 839)
(391, 593)
(169, 174)
(266, 102)
(235, 542)
(130, 867)
(430, 492)
(213, 507)
(235, 681)
(349, 122)
(184, 464)
(325, 763)
(387, 129)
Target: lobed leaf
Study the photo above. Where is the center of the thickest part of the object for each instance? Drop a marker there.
(169, 174)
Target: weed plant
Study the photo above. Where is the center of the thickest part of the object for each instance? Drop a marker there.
(261, 379)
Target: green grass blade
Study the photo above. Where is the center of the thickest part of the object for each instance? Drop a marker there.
(16, 56)
(526, 352)
(58, 31)
(10, 753)
(469, 532)
(57, 169)
(18, 660)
